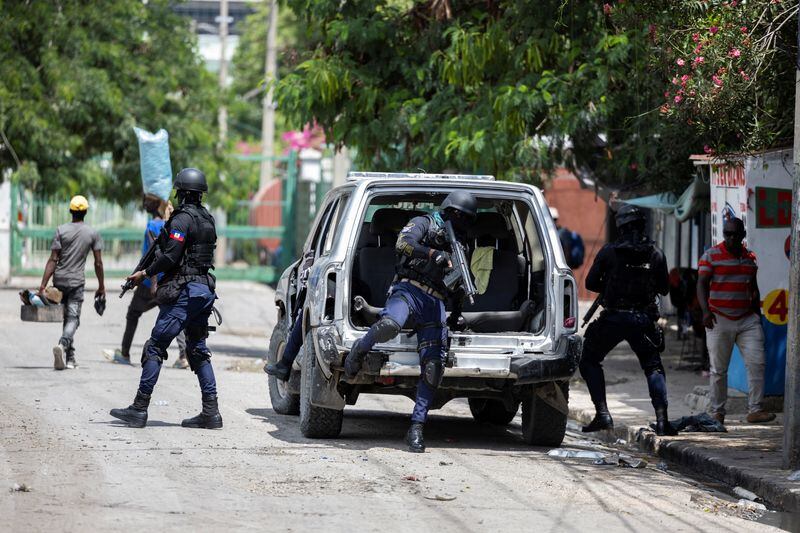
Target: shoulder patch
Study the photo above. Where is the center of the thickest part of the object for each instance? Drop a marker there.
(177, 235)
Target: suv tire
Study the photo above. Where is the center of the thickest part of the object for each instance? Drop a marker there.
(491, 411)
(542, 423)
(315, 422)
(283, 401)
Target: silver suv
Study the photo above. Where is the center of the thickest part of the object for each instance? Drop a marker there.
(518, 344)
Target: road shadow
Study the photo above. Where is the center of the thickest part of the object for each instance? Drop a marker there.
(256, 352)
(150, 423)
(364, 429)
(23, 367)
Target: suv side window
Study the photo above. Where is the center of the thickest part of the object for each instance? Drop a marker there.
(313, 237)
(334, 226)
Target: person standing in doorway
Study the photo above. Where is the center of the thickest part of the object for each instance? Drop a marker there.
(66, 265)
(727, 292)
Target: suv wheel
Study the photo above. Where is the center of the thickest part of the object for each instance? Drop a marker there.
(283, 401)
(315, 422)
(544, 424)
(491, 411)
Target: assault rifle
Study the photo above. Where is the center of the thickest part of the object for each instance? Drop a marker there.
(460, 274)
(592, 310)
(144, 262)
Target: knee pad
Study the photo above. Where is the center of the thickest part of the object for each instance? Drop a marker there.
(386, 329)
(196, 358)
(152, 352)
(196, 332)
(432, 373)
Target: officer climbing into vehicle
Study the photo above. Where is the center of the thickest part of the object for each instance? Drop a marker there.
(186, 300)
(417, 299)
(629, 274)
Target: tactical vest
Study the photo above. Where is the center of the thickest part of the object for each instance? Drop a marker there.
(201, 241)
(424, 270)
(631, 282)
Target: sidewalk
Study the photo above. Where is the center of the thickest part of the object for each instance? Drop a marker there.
(749, 455)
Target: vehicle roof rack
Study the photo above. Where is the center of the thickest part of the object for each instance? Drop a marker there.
(355, 176)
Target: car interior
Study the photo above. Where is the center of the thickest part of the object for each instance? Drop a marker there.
(514, 297)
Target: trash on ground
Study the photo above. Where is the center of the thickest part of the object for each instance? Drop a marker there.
(445, 463)
(746, 494)
(621, 459)
(20, 487)
(161, 402)
(579, 454)
(621, 442)
(755, 506)
(662, 466)
(702, 423)
(410, 477)
(441, 498)
(176, 452)
(794, 476)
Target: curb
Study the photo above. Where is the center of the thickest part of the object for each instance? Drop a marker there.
(781, 494)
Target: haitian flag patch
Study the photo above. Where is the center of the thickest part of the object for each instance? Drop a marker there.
(177, 235)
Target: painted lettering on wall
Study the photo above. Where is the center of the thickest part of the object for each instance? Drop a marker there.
(773, 207)
(727, 176)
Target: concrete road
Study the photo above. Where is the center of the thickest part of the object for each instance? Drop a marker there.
(86, 472)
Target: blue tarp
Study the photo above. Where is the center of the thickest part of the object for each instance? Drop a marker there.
(692, 200)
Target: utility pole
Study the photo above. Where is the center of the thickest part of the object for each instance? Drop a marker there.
(223, 69)
(268, 116)
(791, 394)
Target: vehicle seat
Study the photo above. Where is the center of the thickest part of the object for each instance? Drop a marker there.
(497, 309)
(376, 261)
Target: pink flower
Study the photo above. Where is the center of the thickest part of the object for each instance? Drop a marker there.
(698, 48)
(735, 52)
(734, 3)
(743, 29)
(713, 30)
(707, 149)
(664, 109)
(695, 37)
(692, 92)
(717, 80)
(666, 94)
(685, 78)
(634, 166)
(744, 75)
(677, 99)
(675, 81)
(606, 9)
(680, 62)
(699, 59)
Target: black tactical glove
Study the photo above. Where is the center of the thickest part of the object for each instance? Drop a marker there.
(441, 259)
(456, 322)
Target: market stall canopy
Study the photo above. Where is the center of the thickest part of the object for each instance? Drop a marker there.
(695, 198)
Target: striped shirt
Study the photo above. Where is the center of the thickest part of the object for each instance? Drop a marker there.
(732, 281)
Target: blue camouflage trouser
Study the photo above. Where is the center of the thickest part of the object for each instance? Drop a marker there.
(428, 317)
(190, 313)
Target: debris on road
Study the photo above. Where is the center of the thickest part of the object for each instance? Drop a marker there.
(746, 494)
(410, 477)
(578, 454)
(794, 476)
(445, 463)
(620, 459)
(20, 487)
(441, 498)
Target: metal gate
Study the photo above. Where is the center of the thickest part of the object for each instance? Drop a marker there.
(240, 255)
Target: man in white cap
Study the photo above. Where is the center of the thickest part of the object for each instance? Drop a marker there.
(67, 263)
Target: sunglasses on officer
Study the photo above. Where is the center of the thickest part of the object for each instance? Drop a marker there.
(733, 233)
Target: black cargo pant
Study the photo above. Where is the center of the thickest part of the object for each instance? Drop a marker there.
(141, 303)
(640, 331)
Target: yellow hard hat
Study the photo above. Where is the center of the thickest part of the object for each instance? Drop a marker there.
(78, 203)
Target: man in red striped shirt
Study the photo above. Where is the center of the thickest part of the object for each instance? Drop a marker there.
(727, 292)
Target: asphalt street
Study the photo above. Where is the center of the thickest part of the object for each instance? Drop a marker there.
(66, 465)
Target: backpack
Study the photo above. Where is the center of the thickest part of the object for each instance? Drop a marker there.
(572, 244)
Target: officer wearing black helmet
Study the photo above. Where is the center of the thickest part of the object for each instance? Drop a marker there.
(186, 297)
(417, 297)
(628, 273)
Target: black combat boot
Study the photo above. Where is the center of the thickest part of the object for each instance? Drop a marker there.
(280, 370)
(353, 361)
(663, 427)
(602, 420)
(209, 417)
(136, 413)
(414, 439)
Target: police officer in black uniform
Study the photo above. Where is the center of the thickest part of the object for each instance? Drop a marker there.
(186, 298)
(417, 297)
(628, 273)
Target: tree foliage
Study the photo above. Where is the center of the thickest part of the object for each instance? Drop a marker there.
(76, 76)
(511, 87)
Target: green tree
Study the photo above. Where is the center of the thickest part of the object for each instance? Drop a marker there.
(507, 87)
(76, 76)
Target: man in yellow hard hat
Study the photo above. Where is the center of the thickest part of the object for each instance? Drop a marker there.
(70, 248)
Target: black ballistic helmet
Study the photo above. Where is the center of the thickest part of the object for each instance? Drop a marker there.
(461, 201)
(628, 214)
(191, 179)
